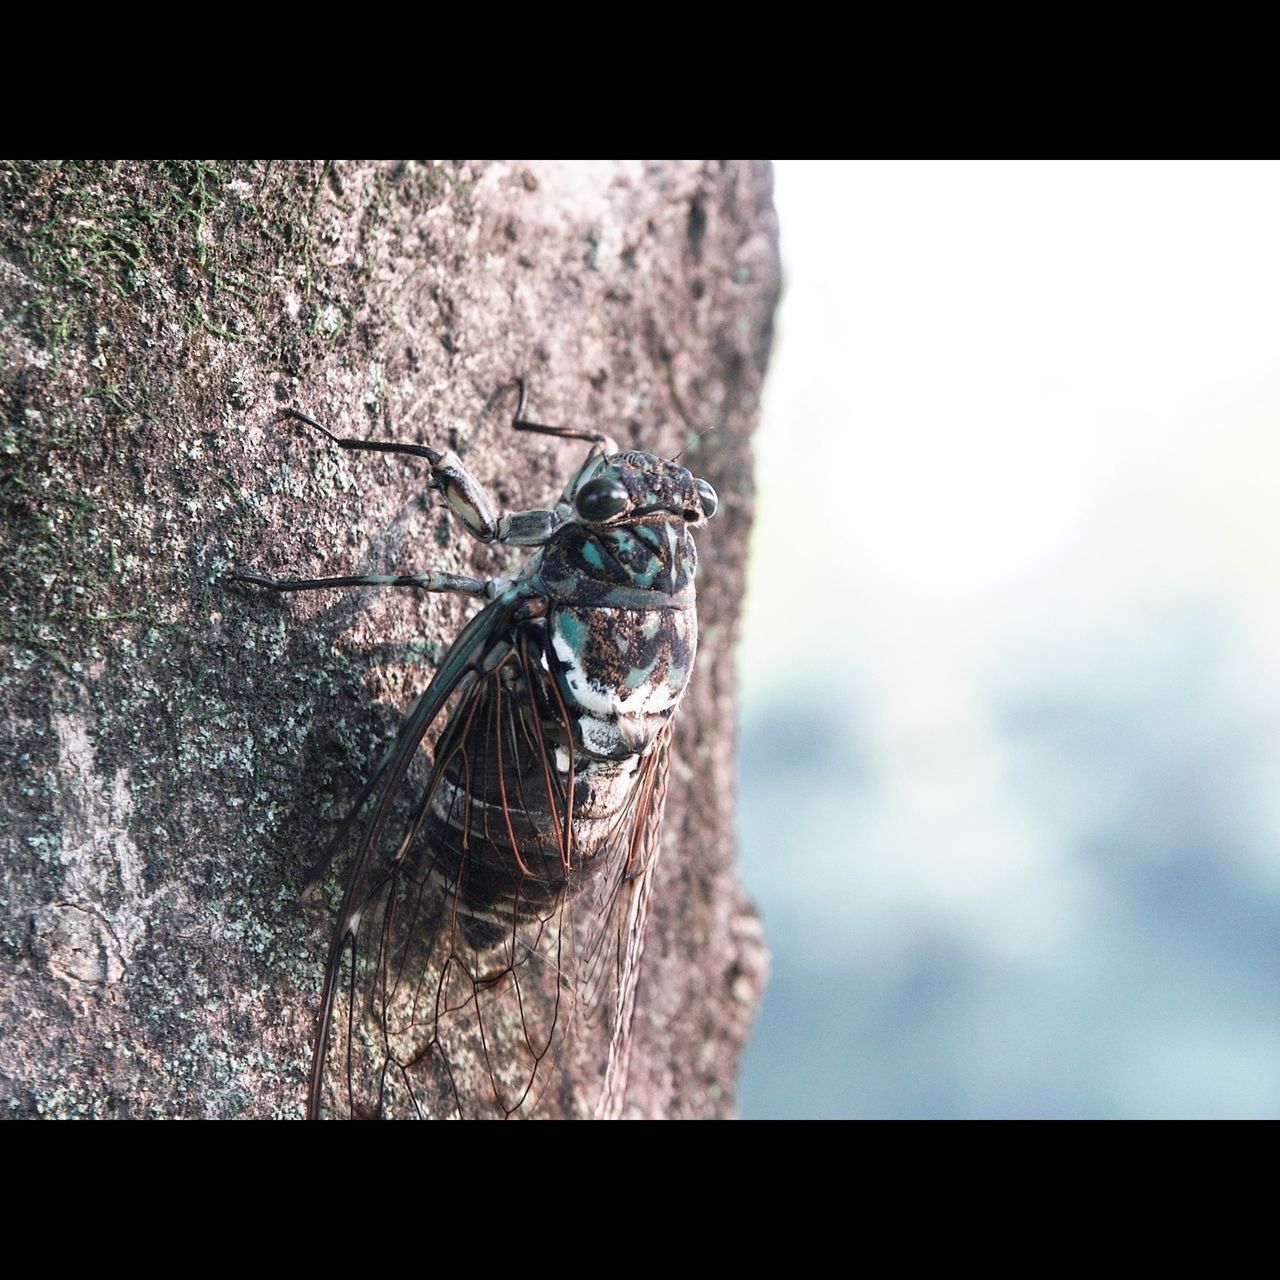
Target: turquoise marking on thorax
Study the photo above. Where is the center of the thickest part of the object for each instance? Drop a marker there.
(642, 566)
(573, 628)
(591, 554)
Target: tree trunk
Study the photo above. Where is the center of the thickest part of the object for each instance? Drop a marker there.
(175, 747)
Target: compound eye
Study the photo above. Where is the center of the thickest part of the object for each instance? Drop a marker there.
(710, 503)
(601, 498)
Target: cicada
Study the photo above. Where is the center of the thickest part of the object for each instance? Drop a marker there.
(493, 921)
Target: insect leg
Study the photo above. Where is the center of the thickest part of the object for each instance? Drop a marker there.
(374, 446)
(485, 589)
(521, 423)
(462, 492)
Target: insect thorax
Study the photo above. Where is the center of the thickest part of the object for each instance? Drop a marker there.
(621, 632)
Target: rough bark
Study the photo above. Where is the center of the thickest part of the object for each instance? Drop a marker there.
(174, 748)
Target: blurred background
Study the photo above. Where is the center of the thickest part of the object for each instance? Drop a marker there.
(1010, 756)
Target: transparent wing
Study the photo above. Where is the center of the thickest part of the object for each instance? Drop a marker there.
(627, 923)
(494, 918)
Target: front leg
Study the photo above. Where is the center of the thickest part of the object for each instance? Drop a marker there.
(465, 495)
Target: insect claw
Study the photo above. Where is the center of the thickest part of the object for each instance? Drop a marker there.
(309, 420)
(248, 575)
